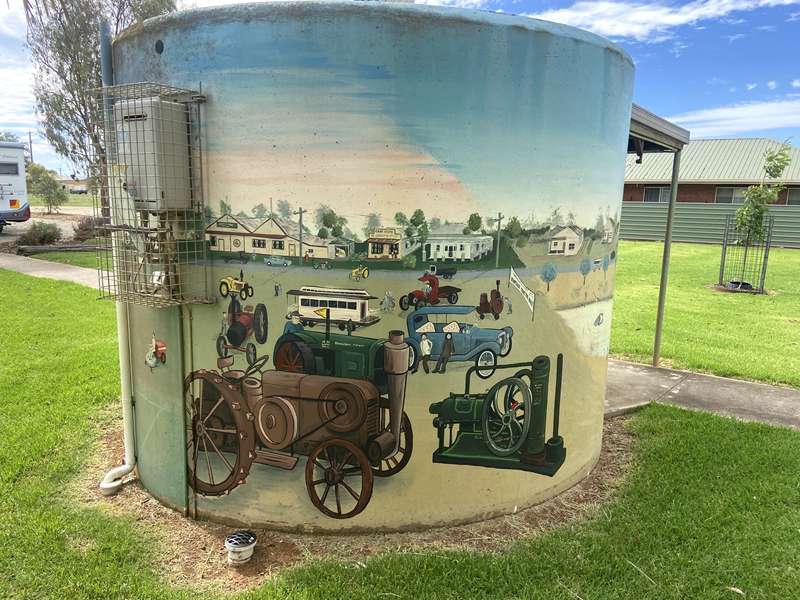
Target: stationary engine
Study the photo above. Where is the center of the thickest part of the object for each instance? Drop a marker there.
(503, 428)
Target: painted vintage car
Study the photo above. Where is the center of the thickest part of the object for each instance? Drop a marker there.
(471, 342)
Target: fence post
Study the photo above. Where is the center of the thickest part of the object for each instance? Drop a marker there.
(724, 249)
(662, 290)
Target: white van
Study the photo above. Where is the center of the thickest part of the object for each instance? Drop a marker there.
(14, 207)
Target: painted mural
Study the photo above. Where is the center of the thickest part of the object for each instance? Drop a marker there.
(412, 261)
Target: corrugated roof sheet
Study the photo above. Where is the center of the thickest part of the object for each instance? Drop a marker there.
(738, 160)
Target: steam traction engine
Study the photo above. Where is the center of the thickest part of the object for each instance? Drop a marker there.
(503, 428)
(238, 418)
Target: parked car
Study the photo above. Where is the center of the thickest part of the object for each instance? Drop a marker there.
(277, 261)
(471, 342)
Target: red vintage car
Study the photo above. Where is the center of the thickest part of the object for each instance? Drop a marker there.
(431, 293)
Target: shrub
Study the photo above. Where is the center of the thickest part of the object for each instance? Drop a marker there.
(409, 261)
(40, 234)
(87, 227)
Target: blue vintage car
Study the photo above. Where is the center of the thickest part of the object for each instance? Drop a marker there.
(483, 345)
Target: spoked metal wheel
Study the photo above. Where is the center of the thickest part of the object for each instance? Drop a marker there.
(392, 465)
(486, 363)
(220, 439)
(506, 416)
(339, 478)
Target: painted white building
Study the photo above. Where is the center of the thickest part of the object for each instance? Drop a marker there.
(390, 243)
(565, 240)
(450, 243)
(271, 236)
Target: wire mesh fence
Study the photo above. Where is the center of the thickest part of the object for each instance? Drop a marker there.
(743, 265)
(147, 185)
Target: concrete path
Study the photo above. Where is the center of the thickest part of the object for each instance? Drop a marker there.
(630, 385)
(50, 270)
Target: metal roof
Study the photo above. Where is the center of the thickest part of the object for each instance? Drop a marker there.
(18, 145)
(653, 133)
(734, 161)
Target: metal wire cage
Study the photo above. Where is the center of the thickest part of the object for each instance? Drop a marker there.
(743, 264)
(147, 186)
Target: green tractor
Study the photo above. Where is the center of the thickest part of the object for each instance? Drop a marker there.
(503, 428)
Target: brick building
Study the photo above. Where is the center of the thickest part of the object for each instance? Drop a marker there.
(712, 172)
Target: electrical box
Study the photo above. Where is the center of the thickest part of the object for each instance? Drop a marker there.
(152, 138)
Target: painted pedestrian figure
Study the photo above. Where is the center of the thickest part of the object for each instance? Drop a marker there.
(447, 350)
(425, 348)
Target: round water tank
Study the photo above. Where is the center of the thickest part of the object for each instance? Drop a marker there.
(411, 220)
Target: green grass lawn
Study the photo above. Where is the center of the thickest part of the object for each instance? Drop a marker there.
(74, 200)
(736, 335)
(78, 259)
(685, 525)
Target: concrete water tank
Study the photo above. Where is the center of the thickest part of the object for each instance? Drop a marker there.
(411, 222)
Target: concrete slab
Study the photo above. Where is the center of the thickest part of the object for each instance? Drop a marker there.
(741, 399)
(631, 385)
(50, 270)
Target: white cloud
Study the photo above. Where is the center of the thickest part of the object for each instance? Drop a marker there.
(751, 86)
(646, 22)
(741, 118)
(766, 28)
(732, 89)
(795, 16)
(795, 83)
(734, 37)
(772, 84)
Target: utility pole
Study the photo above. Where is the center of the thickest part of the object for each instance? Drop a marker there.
(30, 146)
(270, 207)
(500, 218)
(300, 212)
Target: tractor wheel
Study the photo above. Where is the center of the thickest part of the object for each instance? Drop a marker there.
(483, 316)
(453, 298)
(222, 349)
(250, 353)
(412, 357)
(365, 273)
(260, 323)
(506, 416)
(341, 472)
(243, 293)
(221, 440)
(391, 465)
(294, 356)
(404, 304)
(486, 363)
(224, 289)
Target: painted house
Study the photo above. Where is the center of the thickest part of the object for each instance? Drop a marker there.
(272, 236)
(390, 243)
(565, 240)
(711, 172)
(450, 243)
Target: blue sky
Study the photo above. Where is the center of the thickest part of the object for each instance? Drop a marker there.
(721, 68)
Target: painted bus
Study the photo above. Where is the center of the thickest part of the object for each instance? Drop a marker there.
(14, 207)
(345, 306)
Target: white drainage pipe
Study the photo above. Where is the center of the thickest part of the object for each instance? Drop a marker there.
(240, 545)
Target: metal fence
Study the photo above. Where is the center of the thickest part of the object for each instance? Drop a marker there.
(701, 223)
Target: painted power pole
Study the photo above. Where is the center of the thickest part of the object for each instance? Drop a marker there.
(30, 146)
(300, 212)
(500, 218)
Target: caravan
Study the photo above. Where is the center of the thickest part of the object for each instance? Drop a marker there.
(14, 207)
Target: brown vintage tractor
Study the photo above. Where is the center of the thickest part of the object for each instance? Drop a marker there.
(274, 417)
(491, 303)
(239, 325)
(431, 294)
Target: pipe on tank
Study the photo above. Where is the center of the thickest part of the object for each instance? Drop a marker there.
(112, 482)
(395, 363)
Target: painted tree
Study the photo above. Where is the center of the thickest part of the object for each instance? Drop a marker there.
(435, 222)
(225, 208)
(548, 274)
(585, 268)
(327, 219)
(606, 264)
(42, 182)
(284, 209)
(260, 211)
(373, 222)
